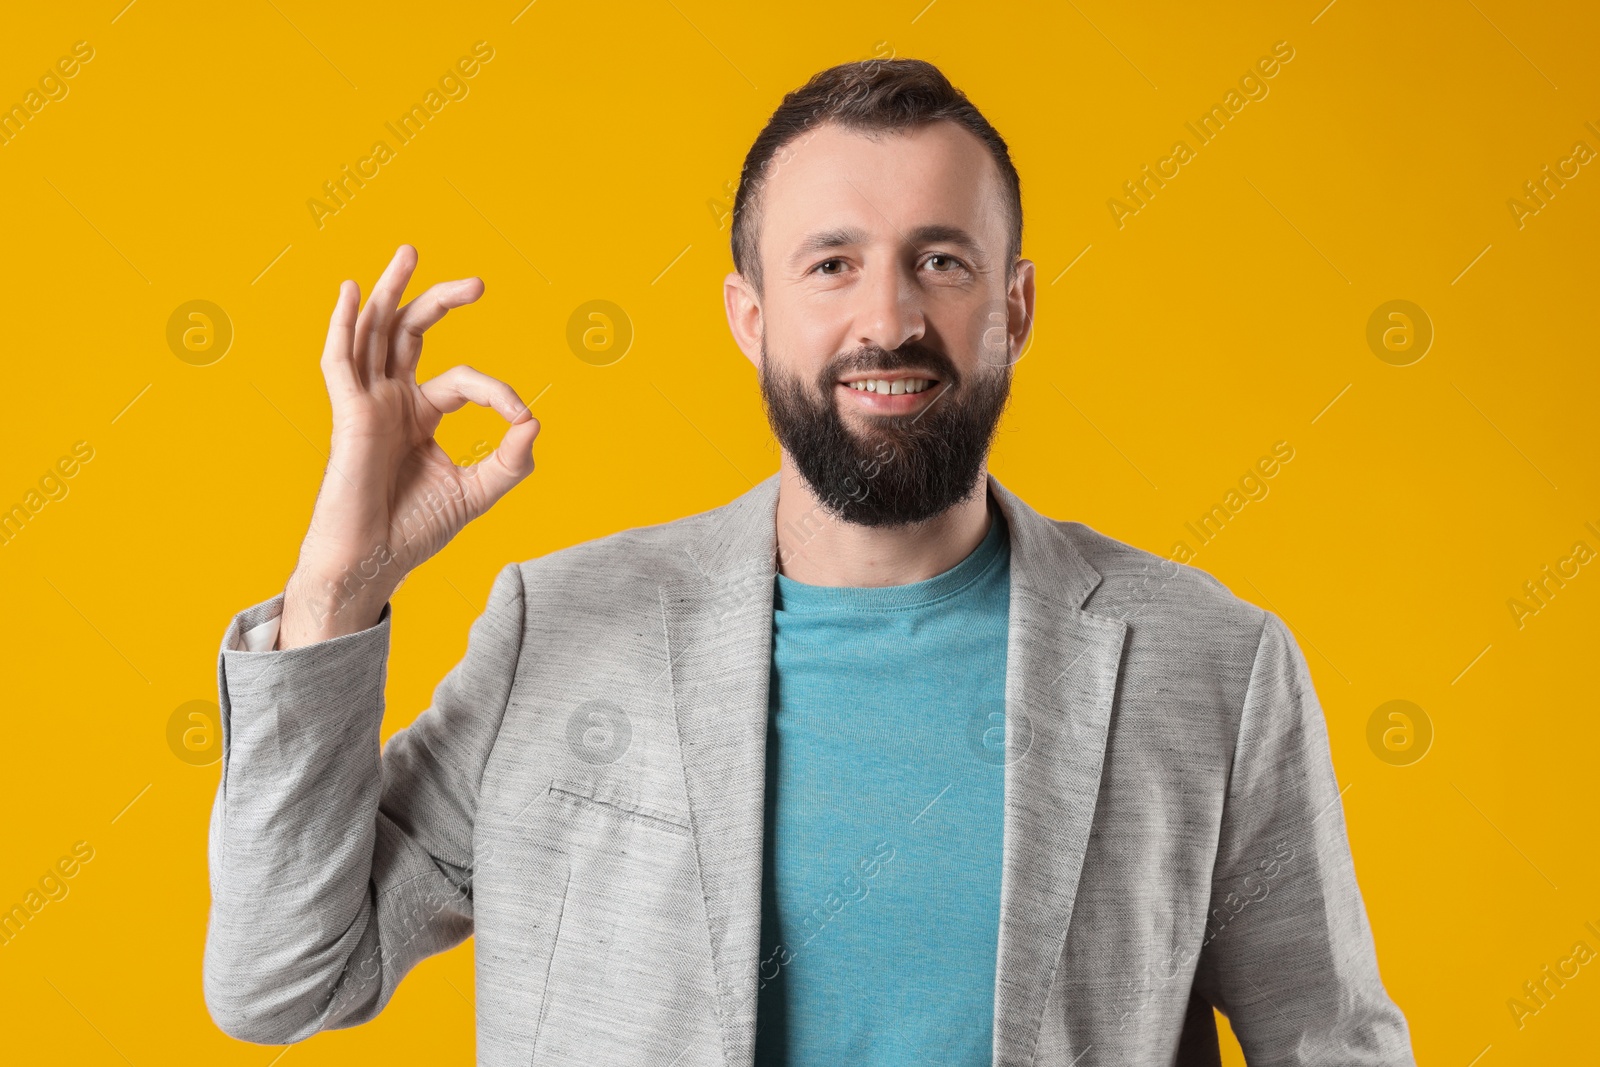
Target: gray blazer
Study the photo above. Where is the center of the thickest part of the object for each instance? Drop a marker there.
(585, 795)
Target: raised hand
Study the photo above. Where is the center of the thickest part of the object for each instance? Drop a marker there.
(391, 498)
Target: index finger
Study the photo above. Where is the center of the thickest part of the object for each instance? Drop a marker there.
(405, 347)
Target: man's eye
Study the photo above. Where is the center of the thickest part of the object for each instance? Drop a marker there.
(952, 261)
(825, 262)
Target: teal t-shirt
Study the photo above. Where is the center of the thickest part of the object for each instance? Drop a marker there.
(884, 818)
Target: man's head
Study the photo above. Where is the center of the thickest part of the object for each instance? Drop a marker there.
(876, 237)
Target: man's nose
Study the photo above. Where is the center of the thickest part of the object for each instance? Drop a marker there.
(890, 310)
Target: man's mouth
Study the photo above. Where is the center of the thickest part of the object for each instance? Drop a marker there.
(892, 393)
(891, 386)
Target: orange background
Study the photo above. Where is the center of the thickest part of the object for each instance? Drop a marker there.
(592, 159)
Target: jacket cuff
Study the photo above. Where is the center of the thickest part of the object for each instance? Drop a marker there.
(309, 681)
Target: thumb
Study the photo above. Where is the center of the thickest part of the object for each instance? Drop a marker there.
(510, 462)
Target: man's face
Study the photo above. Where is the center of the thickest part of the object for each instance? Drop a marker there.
(883, 262)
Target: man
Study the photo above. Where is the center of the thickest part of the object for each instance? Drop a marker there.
(873, 764)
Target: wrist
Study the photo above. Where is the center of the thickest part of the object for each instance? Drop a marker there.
(317, 607)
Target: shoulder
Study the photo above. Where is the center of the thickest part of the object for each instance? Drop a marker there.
(1182, 603)
(1193, 650)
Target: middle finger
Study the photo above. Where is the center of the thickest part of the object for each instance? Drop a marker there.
(372, 327)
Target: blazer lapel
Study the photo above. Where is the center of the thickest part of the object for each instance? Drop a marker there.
(1062, 666)
(718, 624)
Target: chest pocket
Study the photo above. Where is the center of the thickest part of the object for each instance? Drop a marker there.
(611, 800)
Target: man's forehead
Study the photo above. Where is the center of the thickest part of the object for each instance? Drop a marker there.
(834, 182)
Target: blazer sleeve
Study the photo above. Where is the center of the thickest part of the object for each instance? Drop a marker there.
(335, 868)
(1288, 954)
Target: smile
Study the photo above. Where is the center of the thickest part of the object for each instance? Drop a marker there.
(891, 387)
(903, 395)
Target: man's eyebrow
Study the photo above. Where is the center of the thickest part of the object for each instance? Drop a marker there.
(941, 233)
(825, 240)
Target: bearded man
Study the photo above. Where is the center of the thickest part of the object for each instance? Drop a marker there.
(873, 764)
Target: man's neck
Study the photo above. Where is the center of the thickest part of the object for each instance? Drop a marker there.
(817, 548)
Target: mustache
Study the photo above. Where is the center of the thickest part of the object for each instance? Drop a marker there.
(873, 358)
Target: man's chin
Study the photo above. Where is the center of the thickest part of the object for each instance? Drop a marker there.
(869, 428)
(866, 430)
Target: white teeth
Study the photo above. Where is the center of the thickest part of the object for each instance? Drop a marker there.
(894, 388)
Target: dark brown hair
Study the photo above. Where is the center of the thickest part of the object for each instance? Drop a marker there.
(872, 95)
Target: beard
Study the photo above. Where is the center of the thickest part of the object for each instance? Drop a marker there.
(900, 469)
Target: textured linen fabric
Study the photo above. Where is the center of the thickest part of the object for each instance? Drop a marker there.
(884, 814)
(585, 792)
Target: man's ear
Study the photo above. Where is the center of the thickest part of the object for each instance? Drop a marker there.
(744, 315)
(1019, 307)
